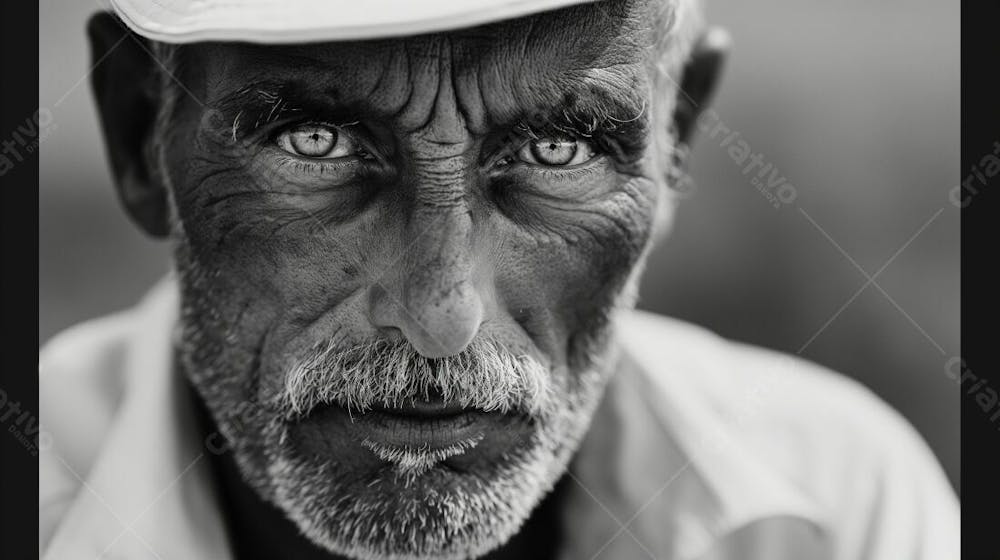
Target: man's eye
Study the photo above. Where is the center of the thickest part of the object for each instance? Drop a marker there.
(557, 151)
(314, 140)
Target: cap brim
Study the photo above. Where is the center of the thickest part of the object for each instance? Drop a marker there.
(299, 21)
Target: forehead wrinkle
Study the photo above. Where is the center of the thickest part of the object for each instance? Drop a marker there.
(345, 72)
(427, 107)
(402, 80)
(497, 71)
(534, 62)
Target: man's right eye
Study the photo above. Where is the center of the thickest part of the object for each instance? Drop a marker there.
(318, 141)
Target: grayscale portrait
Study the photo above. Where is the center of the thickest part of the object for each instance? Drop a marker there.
(402, 282)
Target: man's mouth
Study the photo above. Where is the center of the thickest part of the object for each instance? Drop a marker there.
(415, 435)
(418, 436)
(422, 424)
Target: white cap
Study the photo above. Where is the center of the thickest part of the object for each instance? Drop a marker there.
(298, 21)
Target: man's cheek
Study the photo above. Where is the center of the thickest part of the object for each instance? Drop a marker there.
(239, 235)
(594, 270)
(603, 241)
(578, 272)
(301, 277)
(278, 293)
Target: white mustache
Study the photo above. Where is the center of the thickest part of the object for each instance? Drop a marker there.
(484, 376)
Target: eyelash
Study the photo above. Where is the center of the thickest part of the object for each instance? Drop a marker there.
(365, 150)
(507, 156)
(312, 172)
(568, 174)
(316, 165)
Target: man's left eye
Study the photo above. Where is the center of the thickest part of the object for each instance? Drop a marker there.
(316, 140)
(556, 151)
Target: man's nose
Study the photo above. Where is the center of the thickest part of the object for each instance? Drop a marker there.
(433, 296)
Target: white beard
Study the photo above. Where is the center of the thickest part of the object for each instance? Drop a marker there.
(477, 514)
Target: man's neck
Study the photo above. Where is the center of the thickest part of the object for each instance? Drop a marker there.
(259, 530)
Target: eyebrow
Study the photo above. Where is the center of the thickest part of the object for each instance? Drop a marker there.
(259, 103)
(618, 120)
(588, 117)
(592, 110)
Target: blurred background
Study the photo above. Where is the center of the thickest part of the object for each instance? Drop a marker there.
(854, 103)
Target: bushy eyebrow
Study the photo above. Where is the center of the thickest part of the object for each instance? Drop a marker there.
(587, 111)
(618, 119)
(260, 103)
(252, 106)
(585, 120)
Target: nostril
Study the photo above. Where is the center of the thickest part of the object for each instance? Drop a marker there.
(524, 320)
(391, 334)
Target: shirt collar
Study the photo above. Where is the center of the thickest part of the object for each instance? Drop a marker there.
(148, 493)
(661, 472)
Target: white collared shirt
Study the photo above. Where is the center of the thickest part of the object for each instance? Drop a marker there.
(703, 449)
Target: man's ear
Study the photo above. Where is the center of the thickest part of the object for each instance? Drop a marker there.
(701, 75)
(124, 83)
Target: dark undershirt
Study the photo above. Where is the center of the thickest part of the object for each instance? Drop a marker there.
(258, 530)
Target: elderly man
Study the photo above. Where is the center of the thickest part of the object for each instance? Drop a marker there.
(408, 237)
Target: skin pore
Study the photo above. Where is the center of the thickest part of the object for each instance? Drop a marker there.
(361, 225)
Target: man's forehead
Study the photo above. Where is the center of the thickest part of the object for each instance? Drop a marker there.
(607, 43)
(610, 27)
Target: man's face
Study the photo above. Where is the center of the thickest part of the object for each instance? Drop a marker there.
(398, 260)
